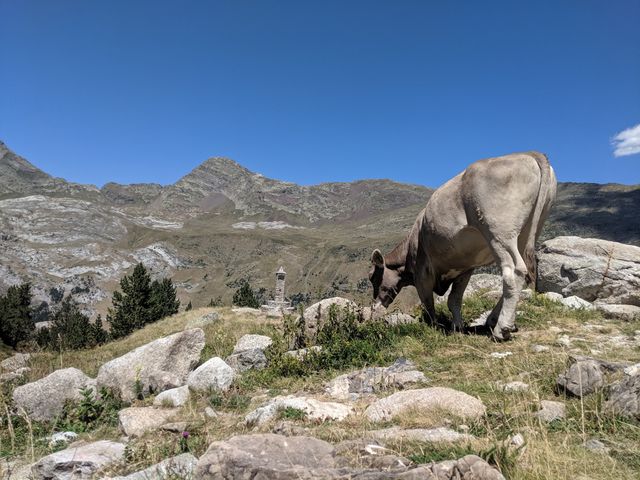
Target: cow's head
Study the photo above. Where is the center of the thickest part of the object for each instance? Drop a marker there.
(387, 281)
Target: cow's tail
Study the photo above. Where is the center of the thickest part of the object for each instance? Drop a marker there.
(546, 195)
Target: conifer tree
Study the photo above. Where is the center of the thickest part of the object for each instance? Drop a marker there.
(132, 306)
(245, 296)
(16, 324)
(163, 299)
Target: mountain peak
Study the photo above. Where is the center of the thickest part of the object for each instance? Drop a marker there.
(17, 175)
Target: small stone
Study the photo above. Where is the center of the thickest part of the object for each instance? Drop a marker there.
(501, 354)
(250, 342)
(564, 340)
(515, 387)
(210, 412)
(136, 421)
(632, 369)
(214, 374)
(19, 360)
(553, 296)
(244, 360)
(62, 438)
(203, 321)
(175, 397)
(428, 435)
(551, 411)
(596, 445)
(517, 440)
(175, 427)
(182, 466)
(539, 348)
(399, 319)
(622, 312)
(303, 352)
(577, 303)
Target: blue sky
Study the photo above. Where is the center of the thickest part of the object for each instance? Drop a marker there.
(319, 91)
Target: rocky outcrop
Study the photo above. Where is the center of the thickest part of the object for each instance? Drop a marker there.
(312, 409)
(154, 367)
(44, 399)
(136, 421)
(214, 374)
(276, 457)
(434, 399)
(181, 466)
(591, 269)
(350, 386)
(79, 462)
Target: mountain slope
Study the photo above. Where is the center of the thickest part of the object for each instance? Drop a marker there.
(221, 223)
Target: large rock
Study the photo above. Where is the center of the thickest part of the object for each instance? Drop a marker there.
(214, 374)
(550, 411)
(312, 408)
(44, 399)
(154, 367)
(315, 316)
(624, 397)
(203, 321)
(440, 399)
(136, 421)
(350, 386)
(276, 457)
(581, 378)
(590, 268)
(79, 462)
(247, 360)
(181, 466)
(17, 361)
(621, 312)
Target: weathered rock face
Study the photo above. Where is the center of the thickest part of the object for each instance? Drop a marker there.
(624, 397)
(369, 380)
(582, 378)
(181, 466)
(44, 399)
(214, 374)
(441, 399)
(136, 421)
(590, 268)
(312, 408)
(156, 366)
(78, 463)
(275, 457)
(316, 315)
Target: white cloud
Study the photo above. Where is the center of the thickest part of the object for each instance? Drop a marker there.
(627, 142)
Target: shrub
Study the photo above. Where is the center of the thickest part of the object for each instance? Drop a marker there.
(91, 411)
(245, 296)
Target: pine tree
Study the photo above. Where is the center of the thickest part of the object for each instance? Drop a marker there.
(98, 334)
(131, 307)
(70, 329)
(163, 299)
(245, 297)
(16, 324)
(188, 307)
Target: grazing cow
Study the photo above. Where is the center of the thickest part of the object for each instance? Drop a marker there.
(491, 212)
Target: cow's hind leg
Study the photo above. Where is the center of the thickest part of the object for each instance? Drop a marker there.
(514, 271)
(455, 299)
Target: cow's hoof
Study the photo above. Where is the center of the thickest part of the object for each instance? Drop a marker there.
(500, 334)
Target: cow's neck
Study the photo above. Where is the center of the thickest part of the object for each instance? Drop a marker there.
(402, 258)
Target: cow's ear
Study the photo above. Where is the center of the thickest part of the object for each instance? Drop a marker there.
(377, 259)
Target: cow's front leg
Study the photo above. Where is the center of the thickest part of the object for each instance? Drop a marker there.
(455, 299)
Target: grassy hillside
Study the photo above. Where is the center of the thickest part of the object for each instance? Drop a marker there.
(463, 362)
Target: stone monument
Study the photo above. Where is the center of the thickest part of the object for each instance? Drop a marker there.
(279, 305)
